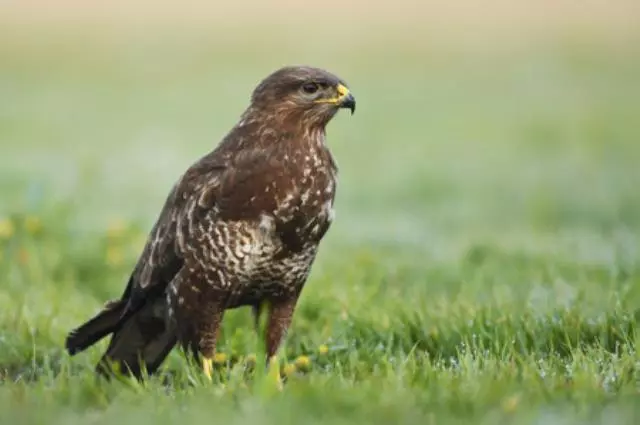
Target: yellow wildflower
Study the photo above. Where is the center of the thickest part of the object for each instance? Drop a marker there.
(32, 224)
(6, 228)
(219, 358)
(114, 256)
(323, 349)
(116, 229)
(23, 256)
(289, 369)
(510, 404)
(302, 362)
(251, 358)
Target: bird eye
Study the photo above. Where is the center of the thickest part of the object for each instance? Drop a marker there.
(310, 88)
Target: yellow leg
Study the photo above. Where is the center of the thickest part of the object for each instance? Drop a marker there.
(207, 366)
(274, 372)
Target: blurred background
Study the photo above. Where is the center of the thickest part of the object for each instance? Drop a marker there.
(508, 122)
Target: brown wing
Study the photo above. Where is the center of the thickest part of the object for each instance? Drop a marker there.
(132, 316)
(236, 190)
(142, 337)
(161, 260)
(207, 192)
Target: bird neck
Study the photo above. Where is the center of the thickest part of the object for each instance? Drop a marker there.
(266, 127)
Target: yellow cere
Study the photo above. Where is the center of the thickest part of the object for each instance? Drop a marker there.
(342, 93)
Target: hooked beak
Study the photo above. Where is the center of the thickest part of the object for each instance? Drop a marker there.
(344, 99)
(349, 102)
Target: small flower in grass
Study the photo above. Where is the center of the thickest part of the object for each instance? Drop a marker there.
(323, 349)
(7, 228)
(302, 362)
(23, 256)
(32, 224)
(219, 358)
(114, 256)
(250, 359)
(510, 404)
(116, 229)
(289, 369)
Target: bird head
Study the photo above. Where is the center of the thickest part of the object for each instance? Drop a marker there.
(311, 96)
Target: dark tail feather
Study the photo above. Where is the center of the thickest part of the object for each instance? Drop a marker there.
(97, 328)
(139, 345)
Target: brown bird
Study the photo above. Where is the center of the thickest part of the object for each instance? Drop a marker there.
(241, 227)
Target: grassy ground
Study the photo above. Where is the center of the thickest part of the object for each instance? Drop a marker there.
(483, 266)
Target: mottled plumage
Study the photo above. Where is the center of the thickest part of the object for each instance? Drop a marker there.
(242, 226)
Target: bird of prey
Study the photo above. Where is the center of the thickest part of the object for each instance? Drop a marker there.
(241, 227)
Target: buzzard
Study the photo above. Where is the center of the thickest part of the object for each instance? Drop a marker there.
(241, 227)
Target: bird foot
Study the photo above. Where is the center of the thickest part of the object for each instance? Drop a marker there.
(207, 366)
(274, 373)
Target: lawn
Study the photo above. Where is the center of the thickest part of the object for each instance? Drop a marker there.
(484, 265)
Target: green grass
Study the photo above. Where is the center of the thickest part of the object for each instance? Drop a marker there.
(483, 267)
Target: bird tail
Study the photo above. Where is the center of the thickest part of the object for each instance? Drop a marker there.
(140, 344)
(102, 324)
(141, 338)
